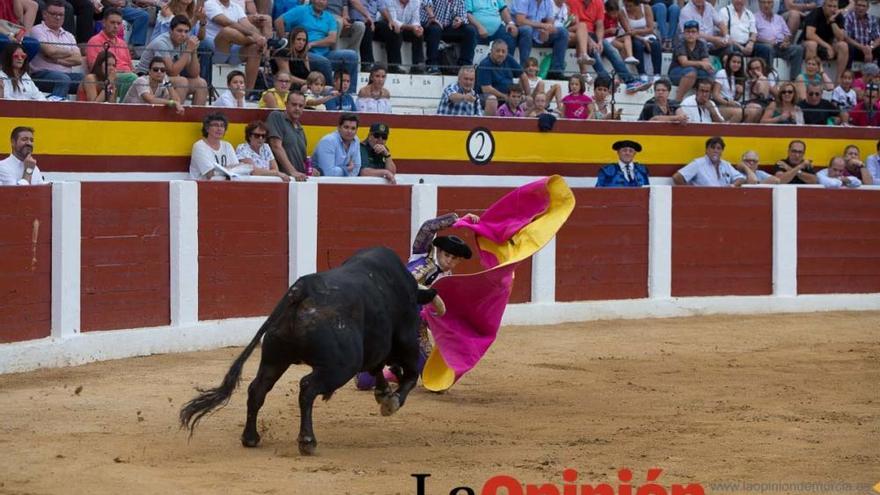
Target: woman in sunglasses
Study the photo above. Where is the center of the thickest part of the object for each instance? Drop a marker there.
(155, 88)
(15, 83)
(785, 109)
(256, 151)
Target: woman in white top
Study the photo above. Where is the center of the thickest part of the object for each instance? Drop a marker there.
(15, 83)
(256, 150)
(211, 155)
(727, 90)
(641, 26)
(374, 98)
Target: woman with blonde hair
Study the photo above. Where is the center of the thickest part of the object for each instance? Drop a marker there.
(784, 109)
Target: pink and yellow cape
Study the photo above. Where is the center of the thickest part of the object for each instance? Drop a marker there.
(510, 231)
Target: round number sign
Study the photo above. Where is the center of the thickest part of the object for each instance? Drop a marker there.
(480, 146)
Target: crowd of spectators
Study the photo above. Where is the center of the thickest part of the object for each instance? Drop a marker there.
(51, 49)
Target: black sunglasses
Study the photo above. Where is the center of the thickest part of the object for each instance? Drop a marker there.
(380, 136)
(260, 135)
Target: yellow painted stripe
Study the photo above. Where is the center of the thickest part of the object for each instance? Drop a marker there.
(156, 138)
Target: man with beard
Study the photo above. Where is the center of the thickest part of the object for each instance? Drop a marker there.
(20, 167)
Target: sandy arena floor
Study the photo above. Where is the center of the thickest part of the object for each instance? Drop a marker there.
(782, 399)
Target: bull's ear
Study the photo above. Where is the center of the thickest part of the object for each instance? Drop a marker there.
(425, 296)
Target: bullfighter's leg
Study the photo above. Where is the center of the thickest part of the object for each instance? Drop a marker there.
(268, 373)
(321, 381)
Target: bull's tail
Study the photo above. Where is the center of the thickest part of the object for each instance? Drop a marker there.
(208, 400)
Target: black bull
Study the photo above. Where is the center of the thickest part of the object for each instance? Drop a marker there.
(360, 316)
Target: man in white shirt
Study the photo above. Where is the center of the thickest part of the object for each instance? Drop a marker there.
(403, 26)
(20, 167)
(742, 29)
(709, 170)
(835, 176)
(699, 107)
(234, 37)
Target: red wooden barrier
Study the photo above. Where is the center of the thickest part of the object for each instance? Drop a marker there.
(838, 241)
(722, 241)
(464, 200)
(243, 248)
(352, 217)
(25, 263)
(125, 271)
(602, 251)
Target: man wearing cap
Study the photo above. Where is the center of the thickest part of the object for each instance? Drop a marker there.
(709, 170)
(375, 156)
(867, 112)
(626, 172)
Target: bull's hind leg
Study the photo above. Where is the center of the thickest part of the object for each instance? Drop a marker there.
(267, 375)
(321, 381)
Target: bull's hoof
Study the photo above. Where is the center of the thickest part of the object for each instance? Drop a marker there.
(382, 396)
(307, 446)
(390, 405)
(250, 441)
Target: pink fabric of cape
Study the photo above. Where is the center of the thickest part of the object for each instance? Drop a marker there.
(475, 302)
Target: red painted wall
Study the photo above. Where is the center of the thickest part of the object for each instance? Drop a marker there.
(125, 272)
(25, 263)
(602, 251)
(722, 241)
(351, 218)
(243, 248)
(838, 241)
(464, 200)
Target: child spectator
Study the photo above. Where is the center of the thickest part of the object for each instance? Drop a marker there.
(616, 34)
(256, 151)
(600, 109)
(844, 95)
(343, 101)
(514, 106)
(234, 95)
(276, 96)
(576, 103)
(532, 84)
(314, 92)
(539, 106)
(15, 82)
(373, 97)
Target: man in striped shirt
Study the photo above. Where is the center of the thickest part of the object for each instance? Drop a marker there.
(447, 20)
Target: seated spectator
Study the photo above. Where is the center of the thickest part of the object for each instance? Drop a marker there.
(817, 111)
(711, 29)
(539, 106)
(155, 88)
(759, 88)
(795, 169)
(534, 19)
(600, 108)
(20, 167)
(844, 96)
(709, 170)
(576, 104)
(873, 165)
(198, 20)
(690, 60)
(862, 33)
(375, 156)
(288, 139)
(640, 21)
(294, 59)
(53, 67)
(699, 107)
(867, 111)
(513, 106)
(870, 74)
(626, 172)
(616, 32)
(795, 12)
(660, 108)
(532, 84)
(276, 96)
(493, 20)
(178, 50)
(495, 75)
(211, 155)
(369, 12)
(232, 38)
(666, 14)
(785, 109)
(322, 35)
(99, 85)
(460, 97)
(234, 95)
(338, 154)
(727, 91)
(349, 31)
(775, 39)
(109, 38)
(15, 82)
(256, 151)
(403, 25)
(742, 30)
(79, 17)
(136, 17)
(835, 176)
(22, 12)
(374, 97)
(447, 20)
(754, 175)
(315, 92)
(824, 36)
(342, 101)
(11, 30)
(812, 74)
(855, 167)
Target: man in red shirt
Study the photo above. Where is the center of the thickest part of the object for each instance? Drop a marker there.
(108, 39)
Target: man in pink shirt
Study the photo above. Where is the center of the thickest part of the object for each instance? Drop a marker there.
(108, 39)
(52, 68)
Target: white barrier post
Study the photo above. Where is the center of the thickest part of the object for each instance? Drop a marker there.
(183, 226)
(66, 258)
(785, 241)
(302, 229)
(424, 207)
(660, 242)
(544, 274)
